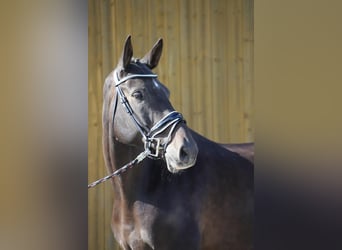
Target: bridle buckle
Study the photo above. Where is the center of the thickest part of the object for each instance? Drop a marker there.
(155, 148)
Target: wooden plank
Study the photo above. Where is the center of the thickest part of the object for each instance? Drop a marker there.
(157, 28)
(239, 61)
(218, 51)
(206, 70)
(106, 68)
(185, 60)
(194, 70)
(138, 25)
(248, 41)
(92, 215)
(172, 52)
(100, 191)
(233, 72)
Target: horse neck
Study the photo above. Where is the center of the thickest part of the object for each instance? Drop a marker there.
(123, 154)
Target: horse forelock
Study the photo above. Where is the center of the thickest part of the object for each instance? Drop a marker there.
(135, 67)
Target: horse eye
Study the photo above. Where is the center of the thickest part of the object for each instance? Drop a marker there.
(138, 95)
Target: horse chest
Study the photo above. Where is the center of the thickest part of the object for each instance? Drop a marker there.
(173, 228)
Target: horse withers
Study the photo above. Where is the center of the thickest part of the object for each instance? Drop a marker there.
(246, 150)
(190, 192)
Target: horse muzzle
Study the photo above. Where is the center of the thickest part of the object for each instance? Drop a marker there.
(182, 151)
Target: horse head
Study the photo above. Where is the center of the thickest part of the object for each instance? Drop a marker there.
(146, 118)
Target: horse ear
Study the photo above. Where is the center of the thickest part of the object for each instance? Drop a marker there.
(127, 54)
(151, 59)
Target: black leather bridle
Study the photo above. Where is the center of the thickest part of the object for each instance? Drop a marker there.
(153, 144)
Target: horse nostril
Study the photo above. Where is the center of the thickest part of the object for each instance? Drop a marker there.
(183, 155)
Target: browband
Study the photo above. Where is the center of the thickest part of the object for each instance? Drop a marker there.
(122, 80)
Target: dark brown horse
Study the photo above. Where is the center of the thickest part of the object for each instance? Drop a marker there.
(190, 192)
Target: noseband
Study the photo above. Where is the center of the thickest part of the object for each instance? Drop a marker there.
(154, 145)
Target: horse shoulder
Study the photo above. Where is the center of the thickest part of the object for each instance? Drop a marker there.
(227, 198)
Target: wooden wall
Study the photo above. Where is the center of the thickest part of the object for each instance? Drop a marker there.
(207, 63)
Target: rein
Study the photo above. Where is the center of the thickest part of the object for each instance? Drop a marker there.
(154, 146)
(121, 170)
